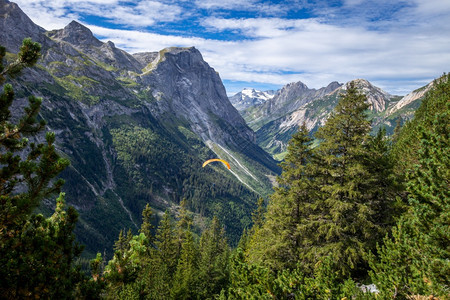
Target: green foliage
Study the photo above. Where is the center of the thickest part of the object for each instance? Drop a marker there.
(176, 266)
(248, 281)
(207, 191)
(28, 55)
(253, 281)
(406, 148)
(276, 243)
(78, 88)
(186, 280)
(416, 260)
(213, 273)
(146, 226)
(36, 253)
(334, 198)
(351, 210)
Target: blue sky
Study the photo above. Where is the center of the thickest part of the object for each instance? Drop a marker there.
(397, 45)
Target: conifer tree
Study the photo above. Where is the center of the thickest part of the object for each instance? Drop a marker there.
(214, 260)
(167, 247)
(346, 223)
(36, 253)
(185, 283)
(247, 280)
(417, 258)
(258, 214)
(278, 241)
(121, 244)
(147, 227)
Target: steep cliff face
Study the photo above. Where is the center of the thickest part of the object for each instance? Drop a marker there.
(137, 129)
(81, 38)
(186, 87)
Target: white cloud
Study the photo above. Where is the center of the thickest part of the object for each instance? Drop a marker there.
(316, 55)
(57, 13)
(263, 7)
(225, 4)
(144, 13)
(261, 27)
(49, 15)
(408, 52)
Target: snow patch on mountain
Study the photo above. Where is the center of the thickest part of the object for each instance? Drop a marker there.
(250, 97)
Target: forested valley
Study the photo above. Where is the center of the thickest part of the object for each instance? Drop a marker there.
(357, 216)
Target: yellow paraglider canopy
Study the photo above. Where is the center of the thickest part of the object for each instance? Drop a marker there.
(216, 159)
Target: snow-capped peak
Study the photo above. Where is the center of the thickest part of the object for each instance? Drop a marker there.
(250, 97)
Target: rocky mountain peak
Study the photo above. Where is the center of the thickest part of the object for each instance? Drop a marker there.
(376, 97)
(77, 35)
(332, 87)
(15, 25)
(81, 38)
(411, 97)
(184, 57)
(249, 97)
(145, 58)
(292, 88)
(190, 89)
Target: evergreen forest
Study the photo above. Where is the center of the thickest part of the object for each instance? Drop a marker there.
(354, 215)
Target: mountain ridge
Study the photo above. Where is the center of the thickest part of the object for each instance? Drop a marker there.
(286, 100)
(137, 129)
(274, 125)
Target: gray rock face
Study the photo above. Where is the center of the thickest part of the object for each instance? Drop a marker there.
(15, 26)
(376, 97)
(77, 35)
(294, 95)
(145, 58)
(187, 87)
(410, 98)
(81, 38)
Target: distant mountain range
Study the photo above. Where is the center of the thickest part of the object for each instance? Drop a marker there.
(275, 120)
(136, 129)
(250, 97)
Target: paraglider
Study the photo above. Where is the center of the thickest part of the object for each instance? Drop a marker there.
(217, 159)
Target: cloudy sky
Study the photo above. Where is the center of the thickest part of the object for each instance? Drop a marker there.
(397, 45)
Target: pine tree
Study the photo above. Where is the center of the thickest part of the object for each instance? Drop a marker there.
(248, 281)
(406, 147)
(121, 244)
(36, 253)
(167, 246)
(258, 214)
(341, 227)
(278, 241)
(417, 258)
(122, 274)
(214, 261)
(185, 283)
(347, 220)
(147, 227)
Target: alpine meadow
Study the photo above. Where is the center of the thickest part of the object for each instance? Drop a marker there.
(134, 175)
